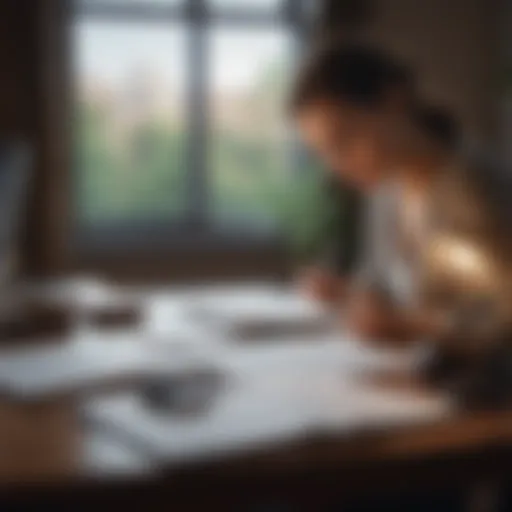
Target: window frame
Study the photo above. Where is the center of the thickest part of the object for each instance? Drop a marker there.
(194, 231)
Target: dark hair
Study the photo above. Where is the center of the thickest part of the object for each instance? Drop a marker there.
(440, 125)
(363, 76)
(356, 74)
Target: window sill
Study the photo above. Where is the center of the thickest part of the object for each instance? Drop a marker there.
(181, 254)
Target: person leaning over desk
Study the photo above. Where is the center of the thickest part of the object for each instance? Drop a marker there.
(328, 278)
(438, 248)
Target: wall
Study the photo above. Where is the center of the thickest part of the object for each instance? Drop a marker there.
(455, 46)
(18, 68)
(20, 95)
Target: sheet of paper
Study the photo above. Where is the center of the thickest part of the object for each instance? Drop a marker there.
(244, 419)
(259, 313)
(104, 456)
(90, 362)
(259, 413)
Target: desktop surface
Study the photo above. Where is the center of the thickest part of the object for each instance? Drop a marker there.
(373, 426)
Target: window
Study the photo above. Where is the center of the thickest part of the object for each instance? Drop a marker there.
(179, 121)
(131, 128)
(248, 150)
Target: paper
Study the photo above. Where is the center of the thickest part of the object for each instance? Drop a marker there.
(96, 361)
(261, 314)
(259, 413)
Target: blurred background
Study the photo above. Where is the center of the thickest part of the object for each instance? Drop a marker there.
(159, 129)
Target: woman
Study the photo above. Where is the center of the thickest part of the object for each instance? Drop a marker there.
(328, 278)
(438, 249)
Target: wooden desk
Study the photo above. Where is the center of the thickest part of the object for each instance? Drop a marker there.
(45, 448)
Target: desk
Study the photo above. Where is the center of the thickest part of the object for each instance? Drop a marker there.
(45, 448)
(48, 449)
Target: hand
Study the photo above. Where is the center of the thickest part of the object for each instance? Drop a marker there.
(373, 317)
(369, 315)
(321, 285)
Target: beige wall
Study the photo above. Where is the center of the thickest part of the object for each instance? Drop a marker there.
(454, 45)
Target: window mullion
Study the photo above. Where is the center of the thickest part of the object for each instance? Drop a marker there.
(197, 175)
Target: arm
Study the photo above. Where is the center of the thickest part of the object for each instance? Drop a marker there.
(340, 244)
(374, 316)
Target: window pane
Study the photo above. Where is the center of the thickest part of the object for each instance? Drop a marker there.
(130, 121)
(260, 5)
(250, 151)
